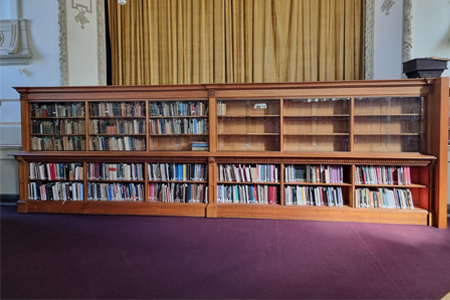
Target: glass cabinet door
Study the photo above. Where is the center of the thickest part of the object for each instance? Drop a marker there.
(316, 124)
(248, 125)
(389, 124)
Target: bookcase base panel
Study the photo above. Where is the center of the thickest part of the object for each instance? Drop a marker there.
(313, 213)
(113, 208)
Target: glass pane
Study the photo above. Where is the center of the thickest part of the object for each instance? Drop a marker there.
(248, 125)
(389, 124)
(316, 124)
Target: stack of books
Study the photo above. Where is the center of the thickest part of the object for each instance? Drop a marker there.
(199, 146)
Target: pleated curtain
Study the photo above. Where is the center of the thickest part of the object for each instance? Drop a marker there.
(235, 41)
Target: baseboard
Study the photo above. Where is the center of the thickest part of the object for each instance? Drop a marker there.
(9, 198)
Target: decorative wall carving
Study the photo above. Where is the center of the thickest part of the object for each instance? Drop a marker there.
(101, 42)
(387, 4)
(406, 36)
(62, 22)
(83, 7)
(369, 39)
(14, 48)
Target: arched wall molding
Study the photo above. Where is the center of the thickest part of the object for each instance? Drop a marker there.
(101, 42)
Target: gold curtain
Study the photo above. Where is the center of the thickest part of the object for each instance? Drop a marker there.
(226, 41)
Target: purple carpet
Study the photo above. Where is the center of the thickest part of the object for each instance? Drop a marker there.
(129, 257)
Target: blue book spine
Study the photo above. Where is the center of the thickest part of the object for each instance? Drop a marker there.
(195, 125)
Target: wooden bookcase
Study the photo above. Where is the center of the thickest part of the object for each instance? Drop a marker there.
(356, 151)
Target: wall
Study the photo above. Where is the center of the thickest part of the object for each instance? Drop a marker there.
(388, 41)
(43, 69)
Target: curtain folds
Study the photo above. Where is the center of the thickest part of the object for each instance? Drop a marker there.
(231, 41)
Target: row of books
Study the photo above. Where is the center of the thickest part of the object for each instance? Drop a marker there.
(57, 110)
(125, 143)
(177, 172)
(56, 171)
(200, 146)
(384, 198)
(178, 192)
(400, 175)
(314, 173)
(58, 127)
(178, 126)
(114, 127)
(313, 195)
(263, 194)
(248, 173)
(117, 109)
(178, 109)
(56, 191)
(221, 108)
(65, 143)
(115, 171)
(115, 191)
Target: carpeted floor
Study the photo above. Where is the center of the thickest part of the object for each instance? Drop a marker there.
(116, 257)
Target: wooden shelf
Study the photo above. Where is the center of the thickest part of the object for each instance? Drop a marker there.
(56, 118)
(177, 181)
(117, 134)
(56, 134)
(56, 180)
(385, 133)
(247, 134)
(247, 183)
(249, 116)
(176, 134)
(388, 115)
(405, 186)
(318, 134)
(177, 117)
(317, 116)
(116, 180)
(317, 183)
(116, 117)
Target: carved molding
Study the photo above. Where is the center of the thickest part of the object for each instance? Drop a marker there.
(406, 36)
(14, 49)
(369, 39)
(101, 42)
(82, 7)
(387, 4)
(63, 59)
(212, 93)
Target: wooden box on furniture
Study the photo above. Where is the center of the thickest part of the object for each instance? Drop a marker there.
(353, 151)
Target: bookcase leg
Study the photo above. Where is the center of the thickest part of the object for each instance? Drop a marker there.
(211, 211)
(22, 206)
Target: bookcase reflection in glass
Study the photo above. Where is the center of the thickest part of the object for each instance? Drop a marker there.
(248, 125)
(177, 182)
(179, 125)
(58, 127)
(56, 181)
(316, 124)
(389, 124)
(117, 126)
